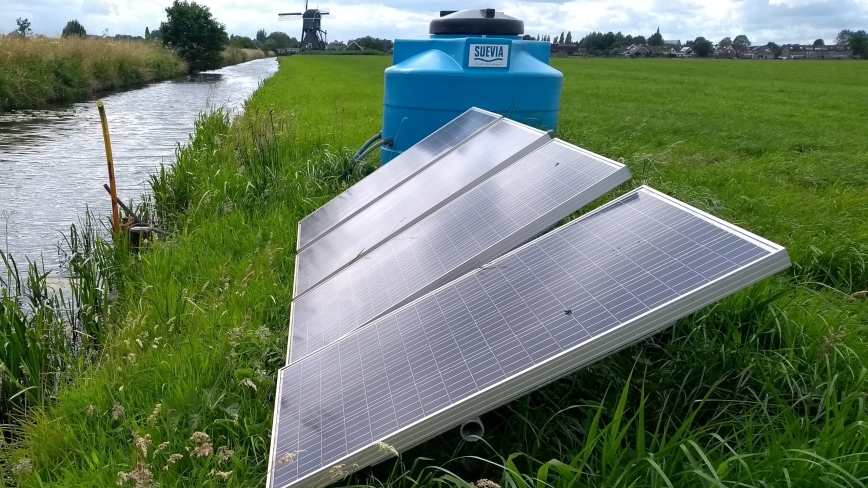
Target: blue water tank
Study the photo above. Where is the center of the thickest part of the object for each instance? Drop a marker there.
(473, 58)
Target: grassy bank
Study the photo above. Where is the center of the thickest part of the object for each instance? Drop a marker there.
(39, 71)
(237, 55)
(763, 389)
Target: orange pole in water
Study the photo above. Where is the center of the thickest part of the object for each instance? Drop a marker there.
(111, 168)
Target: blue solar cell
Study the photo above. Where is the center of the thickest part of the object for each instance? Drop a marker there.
(401, 168)
(501, 213)
(493, 149)
(562, 301)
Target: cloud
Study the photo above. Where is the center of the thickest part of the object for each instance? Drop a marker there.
(97, 7)
(762, 20)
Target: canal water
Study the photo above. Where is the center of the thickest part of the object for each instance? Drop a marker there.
(53, 166)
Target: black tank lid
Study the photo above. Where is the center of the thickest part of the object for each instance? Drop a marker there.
(476, 22)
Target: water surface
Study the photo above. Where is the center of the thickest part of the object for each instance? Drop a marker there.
(52, 162)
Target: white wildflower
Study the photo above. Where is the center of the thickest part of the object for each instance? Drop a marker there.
(484, 483)
(337, 472)
(249, 384)
(24, 466)
(156, 413)
(387, 449)
(117, 411)
(204, 449)
(224, 453)
(288, 458)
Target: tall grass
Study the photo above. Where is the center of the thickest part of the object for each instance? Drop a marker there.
(766, 388)
(38, 71)
(237, 55)
(49, 332)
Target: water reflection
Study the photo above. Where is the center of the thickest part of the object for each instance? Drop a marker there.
(52, 162)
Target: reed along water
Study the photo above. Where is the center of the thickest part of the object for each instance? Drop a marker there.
(53, 164)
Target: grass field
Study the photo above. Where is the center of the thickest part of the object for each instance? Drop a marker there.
(766, 388)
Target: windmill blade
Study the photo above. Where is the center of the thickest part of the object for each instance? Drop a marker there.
(291, 13)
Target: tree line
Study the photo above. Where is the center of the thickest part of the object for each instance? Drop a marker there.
(612, 43)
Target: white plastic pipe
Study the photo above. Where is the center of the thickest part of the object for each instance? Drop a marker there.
(472, 429)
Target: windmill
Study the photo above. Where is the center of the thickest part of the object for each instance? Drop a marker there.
(312, 35)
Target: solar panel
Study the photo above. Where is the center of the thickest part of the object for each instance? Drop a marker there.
(493, 149)
(501, 213)
(382, 181)
(561, 302)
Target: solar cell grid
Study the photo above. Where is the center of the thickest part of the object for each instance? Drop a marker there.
(404, 166)
(562, 301)
(495, 148)
(504, 211)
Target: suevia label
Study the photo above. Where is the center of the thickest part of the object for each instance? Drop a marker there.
(488, 56)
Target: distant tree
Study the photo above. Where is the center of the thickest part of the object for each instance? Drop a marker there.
(859, 44)
(819, 43)
(156, 34)
(527, 37)
(374, 43)
(537, 37)
(569, 39)
(561, 39)
(280, 39)
(629, 40)
(192, 31)
(241, 41)
(261, 35)
(599, 44)
(741, 42)
(776, 50)
(73, 29)
(656, 39)
(857, 40)
(23, 27)
(268, 46)
(702, 47)
(725, 42)
(640, 40)
(147, 33)
(105, 32)
(844, 37)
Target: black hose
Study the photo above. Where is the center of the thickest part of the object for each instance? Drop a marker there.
(372, 145)
(378, 135)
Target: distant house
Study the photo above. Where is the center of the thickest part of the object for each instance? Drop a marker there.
(757, 52)
(726, 52)
(678, 52)
(676, 44)
(793, 51)
(563, 50)
(643, 50)
(354, 46)
(828, 52)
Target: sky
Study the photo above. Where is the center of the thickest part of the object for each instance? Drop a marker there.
(781, 21)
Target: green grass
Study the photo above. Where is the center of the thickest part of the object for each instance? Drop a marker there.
(765, 388)
(35, 72)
